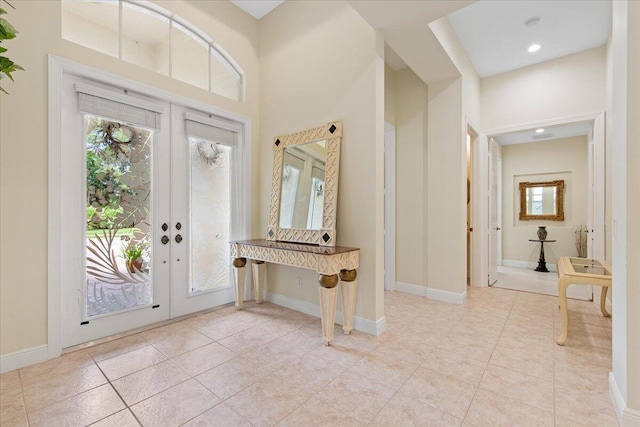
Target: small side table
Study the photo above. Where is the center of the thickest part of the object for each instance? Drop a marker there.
(542, 265)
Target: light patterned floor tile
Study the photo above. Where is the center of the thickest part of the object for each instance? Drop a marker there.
(384, 369)
(133, 361)
(404, 411)
(55, 367)
(585, 408)
(204, 358)
(366, 397)
(317, 413)
(490, 409)
(456, 365)
(82, 409)
(11, 400)
(176, 405)
(232, 377)
(117, 347)
(518, 386)
(443, 392)
(182, 342)
(123, 418)
(143, 384)
(268, 401)
(59, 386)
(221, 415)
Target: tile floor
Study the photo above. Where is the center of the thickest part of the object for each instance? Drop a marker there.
(489, 362)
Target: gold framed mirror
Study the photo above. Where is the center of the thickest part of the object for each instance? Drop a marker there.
(542, 200)
(304, 186)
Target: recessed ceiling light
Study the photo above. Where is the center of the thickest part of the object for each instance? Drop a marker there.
(539, 130)
(534, 48)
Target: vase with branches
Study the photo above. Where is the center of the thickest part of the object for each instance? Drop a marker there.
(581, 241)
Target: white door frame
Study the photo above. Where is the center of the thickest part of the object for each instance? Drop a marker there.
(58, 67)
(596, 171)
(479, 205)
(390, 207)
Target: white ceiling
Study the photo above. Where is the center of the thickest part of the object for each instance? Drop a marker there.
(550, 132)
(392, 59)
(496, 38)
(257, 8)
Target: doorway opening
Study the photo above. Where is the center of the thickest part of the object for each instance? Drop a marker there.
(572, 150)
(147, 188)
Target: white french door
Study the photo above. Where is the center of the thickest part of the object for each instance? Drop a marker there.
(148, 190)
(203, 159)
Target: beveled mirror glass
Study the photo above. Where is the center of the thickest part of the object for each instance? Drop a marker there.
(542, 201)
(304, 188)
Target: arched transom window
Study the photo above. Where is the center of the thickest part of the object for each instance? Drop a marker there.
(147, 35)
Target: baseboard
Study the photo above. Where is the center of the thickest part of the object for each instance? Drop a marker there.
(359, 323)
(21, 358)
(431, 293)
(527, 264)
(412, 289)
(627, 417)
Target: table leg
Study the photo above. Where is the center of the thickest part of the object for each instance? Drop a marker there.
(603, 301)
(348, 286)
(239, 274)
(563, 284)
(328, 299)
(258, 279)
(542, 264)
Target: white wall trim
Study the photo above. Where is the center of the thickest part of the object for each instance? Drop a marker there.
(359, 323)
(431, 293)
(21, 358)
(527, 264)
(390, 206)
(627, 417)
(446, 296)
(559, 121)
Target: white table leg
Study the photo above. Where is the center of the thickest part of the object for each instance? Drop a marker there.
(328, 300)
(348, 285)
(259, 277)
(563, 284)
(239, 274)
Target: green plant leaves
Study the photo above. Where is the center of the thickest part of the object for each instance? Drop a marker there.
(7, 66)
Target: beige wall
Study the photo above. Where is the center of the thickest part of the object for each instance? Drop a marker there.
(633, 206)
(320, 61)
(564, 87)
(564, 159)
(447, 188)
(389, 95)
(451, 104)
(23, 143)
(411, 145)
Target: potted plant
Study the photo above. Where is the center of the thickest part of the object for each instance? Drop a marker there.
(132, 254)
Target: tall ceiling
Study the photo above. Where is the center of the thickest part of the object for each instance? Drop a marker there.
(496, 37)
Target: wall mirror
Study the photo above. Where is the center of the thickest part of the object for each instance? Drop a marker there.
(542, 201)
(304, 189)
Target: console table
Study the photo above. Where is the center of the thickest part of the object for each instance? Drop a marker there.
(583, 271)
(542, 264)
(334, 264)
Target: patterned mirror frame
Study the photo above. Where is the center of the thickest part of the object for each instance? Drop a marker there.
(326, 236)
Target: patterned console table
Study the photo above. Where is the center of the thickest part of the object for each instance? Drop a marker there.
(334, 264)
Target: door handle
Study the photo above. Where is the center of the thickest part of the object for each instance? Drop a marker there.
(164, 240)
(178, 238)
(164, 227)
(178, 226)
(498, 228)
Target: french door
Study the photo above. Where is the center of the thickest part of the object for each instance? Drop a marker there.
(146, 202)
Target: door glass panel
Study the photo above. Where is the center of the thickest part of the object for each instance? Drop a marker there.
(118, 208)
(210, 198)
(189, 57)
(145, 38)
(225, 80)
(93, 24)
